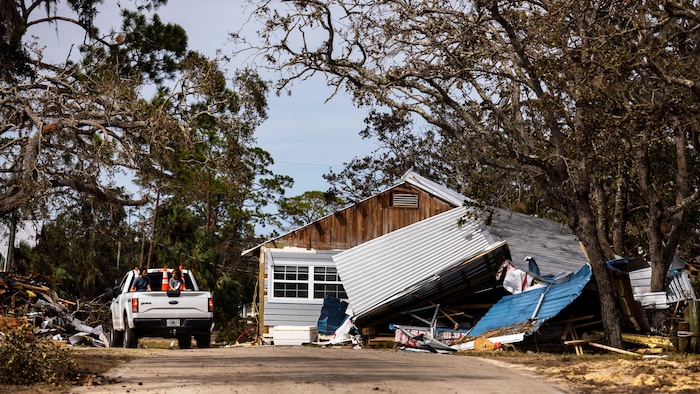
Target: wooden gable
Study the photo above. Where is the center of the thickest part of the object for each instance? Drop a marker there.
(383, 213)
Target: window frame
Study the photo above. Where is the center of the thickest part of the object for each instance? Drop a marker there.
(311, 282)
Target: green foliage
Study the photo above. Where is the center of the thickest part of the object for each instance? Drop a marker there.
(308, 207)
(23, 362)
(78, 251)
(149, 49)
(213, 181)
(227, 297)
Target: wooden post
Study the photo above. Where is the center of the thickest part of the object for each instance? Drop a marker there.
(694, 325)
(683, 341)
(261, 294)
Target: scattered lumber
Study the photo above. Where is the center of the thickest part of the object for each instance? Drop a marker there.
(612, 349)
(650, 341)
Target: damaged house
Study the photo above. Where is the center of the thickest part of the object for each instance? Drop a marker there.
(399, 250)
(292, 265)
(412, 256)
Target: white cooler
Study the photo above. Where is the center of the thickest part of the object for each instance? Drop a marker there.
(294, 335)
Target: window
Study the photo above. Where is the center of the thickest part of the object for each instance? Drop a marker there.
(327, 281)
(291, 281)
(294, 282)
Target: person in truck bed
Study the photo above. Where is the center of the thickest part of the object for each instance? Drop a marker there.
(176, 281)
(142, 282)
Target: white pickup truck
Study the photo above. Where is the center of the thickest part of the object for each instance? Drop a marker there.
(179, 314)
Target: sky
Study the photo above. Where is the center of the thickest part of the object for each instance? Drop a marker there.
(305, 135)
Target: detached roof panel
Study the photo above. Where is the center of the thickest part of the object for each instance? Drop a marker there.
(515, 312)
(383, 268)
(553, 245)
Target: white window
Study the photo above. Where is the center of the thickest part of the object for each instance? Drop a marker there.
(294, 282)
(327, 282)
(291, 281)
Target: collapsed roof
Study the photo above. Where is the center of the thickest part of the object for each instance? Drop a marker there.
(525, 312)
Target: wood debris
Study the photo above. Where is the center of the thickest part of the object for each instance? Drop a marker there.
(30, 300)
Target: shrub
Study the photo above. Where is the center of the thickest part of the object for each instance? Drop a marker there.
(23, 362)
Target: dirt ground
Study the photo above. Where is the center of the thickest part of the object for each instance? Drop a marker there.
(601, 372)
(610, 373)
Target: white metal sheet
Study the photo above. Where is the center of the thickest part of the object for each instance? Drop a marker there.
(382, 268)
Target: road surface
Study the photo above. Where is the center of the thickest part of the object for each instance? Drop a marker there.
(297, 369)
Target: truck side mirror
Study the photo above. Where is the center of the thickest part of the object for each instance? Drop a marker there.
(109, 293)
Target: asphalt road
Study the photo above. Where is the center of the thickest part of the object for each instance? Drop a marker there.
(295, 369)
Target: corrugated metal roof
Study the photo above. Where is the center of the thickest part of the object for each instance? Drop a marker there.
(473, 276)
(435, 189)
(553, 245)
(385, 267)
(516, 311)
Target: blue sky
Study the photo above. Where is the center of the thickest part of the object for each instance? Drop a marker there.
(305, 135)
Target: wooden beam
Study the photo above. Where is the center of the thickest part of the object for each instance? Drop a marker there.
(578, 342)
(612, 349)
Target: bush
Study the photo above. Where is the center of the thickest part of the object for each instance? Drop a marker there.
(23, 362)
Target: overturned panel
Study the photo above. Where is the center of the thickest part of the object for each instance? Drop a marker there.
(410, 259)
(524, 313)
(474, 276)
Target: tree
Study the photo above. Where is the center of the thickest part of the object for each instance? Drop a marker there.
(563, 92)
(68, 129)
(71, 130)
(437, 156)
(84, 249)
(308, 207)
(212, 179)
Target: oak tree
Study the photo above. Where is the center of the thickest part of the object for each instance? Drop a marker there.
(580, 96)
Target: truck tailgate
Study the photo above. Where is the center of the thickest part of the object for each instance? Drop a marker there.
(189, 304)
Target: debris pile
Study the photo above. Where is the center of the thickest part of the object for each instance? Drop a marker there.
(29, 299)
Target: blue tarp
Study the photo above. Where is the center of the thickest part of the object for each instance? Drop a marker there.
(332, 315)
(516, 311)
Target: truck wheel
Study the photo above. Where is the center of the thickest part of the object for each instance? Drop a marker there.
(130, 338)
(184, 341)
(203, 341)
(116, 338)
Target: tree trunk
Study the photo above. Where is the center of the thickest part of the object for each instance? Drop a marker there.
(609, 311)
(610, 315)
(620, 218)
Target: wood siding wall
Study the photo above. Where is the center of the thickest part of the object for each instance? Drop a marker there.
(364, 221)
